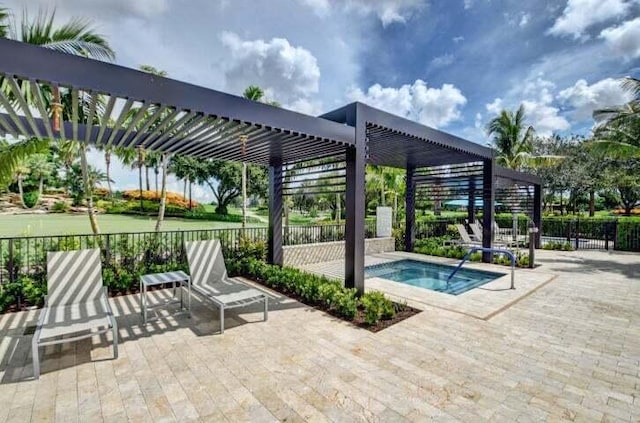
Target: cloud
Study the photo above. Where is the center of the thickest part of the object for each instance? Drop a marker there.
(468, 4)
(435, 107)
(285, 72)
(585, 98)
(624, 39)
(536, 95)
(524, 20)
(495, 107)
(579, 15)
(442, 61)
(306, 106)
(458, 39)
(388, 11)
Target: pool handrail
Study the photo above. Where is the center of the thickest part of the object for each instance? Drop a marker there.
(487, 250)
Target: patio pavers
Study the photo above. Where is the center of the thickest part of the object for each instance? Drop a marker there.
(568, 351)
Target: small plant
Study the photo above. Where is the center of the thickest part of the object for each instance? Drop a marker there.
(32, 290)
(30, 199)
(60, 207)
(376, 307)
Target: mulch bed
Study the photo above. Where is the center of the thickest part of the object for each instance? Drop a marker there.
(403, 312)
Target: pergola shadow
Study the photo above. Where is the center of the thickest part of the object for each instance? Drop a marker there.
(16, 364)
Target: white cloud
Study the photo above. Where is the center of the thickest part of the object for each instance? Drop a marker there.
(285, 72)
(624, 39)
(524, 20)
(435, 107)
(579, 15)
(495, 107)
(458, 39)
(545, 118)
(388, 11)
(442, 61)
(537, 97)
(585, 98)
(468, 4)
(306, 106)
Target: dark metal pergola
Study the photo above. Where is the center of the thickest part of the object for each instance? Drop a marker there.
(141, 110)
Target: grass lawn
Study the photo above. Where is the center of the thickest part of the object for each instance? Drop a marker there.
(63, 224)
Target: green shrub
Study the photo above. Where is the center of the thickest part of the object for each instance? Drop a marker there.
(60, 207)
(558, 245)
(30, 198)
(376, 307)
(8, 295)
(33, 291)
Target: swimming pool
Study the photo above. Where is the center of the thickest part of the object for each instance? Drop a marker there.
(431, 275)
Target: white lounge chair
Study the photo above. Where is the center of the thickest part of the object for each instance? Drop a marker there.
(477, 232)
(209, 279)
(466, 240)
(76, 302)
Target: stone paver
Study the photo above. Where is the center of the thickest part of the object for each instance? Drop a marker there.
(569, 351)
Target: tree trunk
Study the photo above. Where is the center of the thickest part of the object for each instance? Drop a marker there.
(156, 171)
(88, 190)
(140, 185)
(21, 191)
(338, 211)
(107, 162)
(146, 172)
(40, 189)
(184, 189)
(592, 203)
(190, 205)
(163, 195)
(244, 197)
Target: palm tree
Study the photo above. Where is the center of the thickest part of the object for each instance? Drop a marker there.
(4, 22)
(13, 155)
(108, 151)
(75, 37)
(139, 163)
(164, 161)
(512, 138)
(617, 134)
(40, 169)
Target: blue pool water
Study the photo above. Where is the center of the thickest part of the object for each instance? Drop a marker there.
(431, 276)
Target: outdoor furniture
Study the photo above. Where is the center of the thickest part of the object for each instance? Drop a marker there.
(477, 232)
(178, 279)
(76, 302)
(466, 240)
(209, 279)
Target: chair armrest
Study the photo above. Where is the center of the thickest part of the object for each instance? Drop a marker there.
(105, 302)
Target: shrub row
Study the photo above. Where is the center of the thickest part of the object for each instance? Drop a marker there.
(436, 247)
(173, 198)
(314, 290)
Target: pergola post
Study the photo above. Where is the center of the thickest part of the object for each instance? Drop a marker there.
(537, 211)
(274, 244)
(355, 208)
(471, 205)
(410, 210)
(488, 196)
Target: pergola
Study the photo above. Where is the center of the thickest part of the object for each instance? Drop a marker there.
(141, 110)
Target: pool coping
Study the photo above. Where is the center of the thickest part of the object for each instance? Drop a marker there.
(483, 302)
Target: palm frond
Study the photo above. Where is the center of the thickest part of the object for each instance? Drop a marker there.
(11, 155)
(614, 149)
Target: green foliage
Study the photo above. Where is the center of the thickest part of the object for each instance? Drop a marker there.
(60, 207)
(30, 198)
(376, 307)
(557, 245)
(8, 295)
(32, 290)
(311, 289)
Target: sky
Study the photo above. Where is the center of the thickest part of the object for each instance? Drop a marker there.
(449, 64)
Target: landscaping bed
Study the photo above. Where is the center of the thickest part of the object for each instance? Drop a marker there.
(372, 311)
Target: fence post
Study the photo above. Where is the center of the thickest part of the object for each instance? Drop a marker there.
(615, 235)
(577, 234)
(10, 262)
(606, 235)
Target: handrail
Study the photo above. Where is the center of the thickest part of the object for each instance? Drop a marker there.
(487, 250)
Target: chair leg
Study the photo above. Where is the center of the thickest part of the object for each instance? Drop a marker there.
(266, 308)
(221, 320)
(114, 330)
(35, 358)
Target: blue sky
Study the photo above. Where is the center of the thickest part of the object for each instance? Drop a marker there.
(452, 64)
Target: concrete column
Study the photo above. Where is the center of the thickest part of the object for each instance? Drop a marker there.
(410, 209)
(274, 244)
(488, 197)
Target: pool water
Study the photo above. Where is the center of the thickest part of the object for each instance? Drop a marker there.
(431, 276)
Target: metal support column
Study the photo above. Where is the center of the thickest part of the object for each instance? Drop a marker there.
(488, 197)
(355, 208)
(537, 212)
(471, 205)
(274, 247)
(410, 209)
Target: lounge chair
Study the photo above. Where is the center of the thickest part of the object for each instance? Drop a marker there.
(466, 240)
(477, 232)
(76, 302)
(209, 279)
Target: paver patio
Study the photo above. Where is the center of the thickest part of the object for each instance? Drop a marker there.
(569, 351)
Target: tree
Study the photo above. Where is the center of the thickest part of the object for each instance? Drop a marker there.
(75, 37)
(13, 155)
(512, 138)
(164, 162)
(40, 169)
(228, 176)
